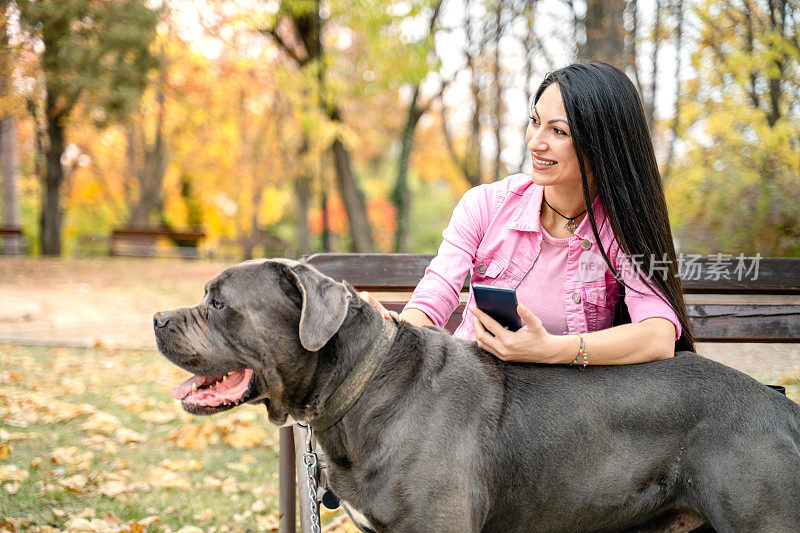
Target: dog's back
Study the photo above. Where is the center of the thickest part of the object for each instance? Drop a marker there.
(611, 446)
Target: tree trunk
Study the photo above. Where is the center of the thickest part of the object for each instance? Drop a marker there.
(498, 88)
(401, 195)
(677, 112)
(54, 177)
(8, 166)
(605, 33)
(302, 187)
(353, 200)
(308, 26)
(151, 174)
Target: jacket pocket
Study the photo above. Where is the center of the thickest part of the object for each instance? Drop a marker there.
(598, 308)
(487, 270)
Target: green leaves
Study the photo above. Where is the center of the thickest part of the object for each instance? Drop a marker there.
(94, 50)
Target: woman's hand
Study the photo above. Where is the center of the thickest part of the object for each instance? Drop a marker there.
(530, 344)
(385, 313)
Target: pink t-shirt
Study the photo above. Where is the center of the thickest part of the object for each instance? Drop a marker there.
(540, 290)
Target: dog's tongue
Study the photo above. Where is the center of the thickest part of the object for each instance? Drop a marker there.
(181, 391)
(214, 390)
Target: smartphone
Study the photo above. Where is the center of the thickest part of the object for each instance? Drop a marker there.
(499, 303)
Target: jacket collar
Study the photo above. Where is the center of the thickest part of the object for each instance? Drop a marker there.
(526, 214)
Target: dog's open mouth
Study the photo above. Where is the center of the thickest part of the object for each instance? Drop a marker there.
(205, 395)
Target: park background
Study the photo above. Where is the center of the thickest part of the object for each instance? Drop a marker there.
(283, 128)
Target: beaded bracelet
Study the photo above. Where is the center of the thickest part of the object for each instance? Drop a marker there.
(581, 353)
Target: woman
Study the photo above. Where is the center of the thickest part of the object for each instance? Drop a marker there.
(586, 231)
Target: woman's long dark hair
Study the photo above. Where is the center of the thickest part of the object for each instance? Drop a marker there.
(609, 131)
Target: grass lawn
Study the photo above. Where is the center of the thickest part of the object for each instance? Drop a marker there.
(91, 440)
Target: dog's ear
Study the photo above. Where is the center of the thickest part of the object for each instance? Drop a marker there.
(324, 306)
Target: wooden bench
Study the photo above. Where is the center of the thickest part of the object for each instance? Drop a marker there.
(729, 299)
(144, 242)
(13, 242)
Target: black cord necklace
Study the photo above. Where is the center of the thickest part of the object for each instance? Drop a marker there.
(571, 224)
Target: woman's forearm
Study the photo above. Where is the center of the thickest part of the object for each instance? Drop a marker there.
(651, 339)
(416, 317)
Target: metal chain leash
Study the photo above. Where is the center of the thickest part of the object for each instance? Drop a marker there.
(310, 460)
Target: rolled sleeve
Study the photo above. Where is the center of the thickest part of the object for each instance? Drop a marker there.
(642, 301)
(437, 294)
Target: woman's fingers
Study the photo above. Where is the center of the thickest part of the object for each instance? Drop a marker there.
(385, 313)
(490, 335)
(488, 322)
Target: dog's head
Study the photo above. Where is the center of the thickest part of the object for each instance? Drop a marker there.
(254, 336)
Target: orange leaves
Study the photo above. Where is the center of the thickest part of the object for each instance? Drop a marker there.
(236, 430)
(382, 216)
(163, 477)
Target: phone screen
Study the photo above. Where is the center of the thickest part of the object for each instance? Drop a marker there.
(500, 303)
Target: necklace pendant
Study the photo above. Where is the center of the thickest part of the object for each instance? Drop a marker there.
(571, 226)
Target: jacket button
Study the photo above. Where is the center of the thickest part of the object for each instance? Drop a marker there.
(481, 268)
(585, 244)
(576, 297)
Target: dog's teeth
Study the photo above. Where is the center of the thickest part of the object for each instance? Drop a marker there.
(225, 377)
(194, 387)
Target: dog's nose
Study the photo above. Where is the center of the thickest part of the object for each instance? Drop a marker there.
(160, 320)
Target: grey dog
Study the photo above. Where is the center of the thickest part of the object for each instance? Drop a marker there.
(448, 438)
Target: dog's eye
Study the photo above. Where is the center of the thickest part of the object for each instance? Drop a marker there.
(217, 305)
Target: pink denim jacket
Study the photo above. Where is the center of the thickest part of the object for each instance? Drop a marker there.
(495, 234)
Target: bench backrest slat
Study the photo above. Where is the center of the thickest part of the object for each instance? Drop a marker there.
(775, 275)
(711, 322)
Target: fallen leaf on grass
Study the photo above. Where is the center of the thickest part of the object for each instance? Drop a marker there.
(13, 473)
(258, 506)
(84, 525)
(190, 529)
(112, 489)
(72, 386)
(74, 483)
(5, 450)
(131, 399)
(182, 465)
(193, 436)
(101, 443)
(42, 529)
(340, 525)
(72, 456)
(166, 478)
(158, 416)
(211, 482)
(14, 524)
(236, 431)
(230, 486)
(128, 436)
(268, 522)
(246, 437)
(16, 435)
(12, 488)
(101, 422)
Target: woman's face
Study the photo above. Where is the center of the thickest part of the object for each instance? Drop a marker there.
(550, 142)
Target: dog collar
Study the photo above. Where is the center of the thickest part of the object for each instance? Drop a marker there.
(351, 389)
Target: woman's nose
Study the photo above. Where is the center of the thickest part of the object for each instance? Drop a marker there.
(536, 141)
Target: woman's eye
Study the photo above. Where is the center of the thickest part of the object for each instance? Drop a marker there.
(217, 305)
(560, 132)
(533, 120)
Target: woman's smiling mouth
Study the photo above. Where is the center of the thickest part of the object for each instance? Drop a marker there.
(542, 162)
